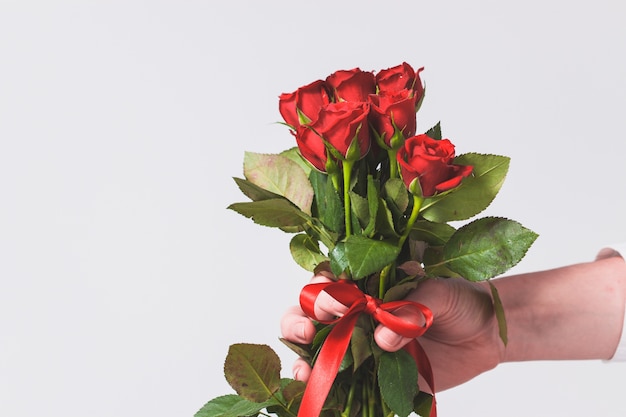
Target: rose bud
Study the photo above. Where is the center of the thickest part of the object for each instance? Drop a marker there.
(312, 147)
(352, 85)
(342, 127)
(428, 162)
(303, 105)
(393, 117)
(399, 78)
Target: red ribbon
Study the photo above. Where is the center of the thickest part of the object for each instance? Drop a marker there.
(336, 344)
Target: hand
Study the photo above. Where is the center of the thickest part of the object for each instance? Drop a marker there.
(462, 342)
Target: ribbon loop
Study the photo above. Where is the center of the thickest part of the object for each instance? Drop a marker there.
(336, 344)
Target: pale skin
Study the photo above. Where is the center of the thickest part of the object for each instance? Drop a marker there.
(570, 313)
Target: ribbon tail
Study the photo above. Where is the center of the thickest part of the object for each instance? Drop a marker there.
(424, 368)
(327, 365)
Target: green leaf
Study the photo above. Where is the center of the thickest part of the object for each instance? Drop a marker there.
(435, 131)
(397, 376)
(338, 259)
(366, 209)
(435, 234)
(360, 209)
(384, 220)
(396, 191)
(499, 310)
(276, 212)
(328, 206)
(423, 404)
(372, 200)
(300, 350)
(281, 176)
(232, 406)
(475, 192)
(487, 247)
(253, 371)
(217, 407)
(399, 291)
(294, 391)
(254, 192)
(360, 346)
(306, 252)
(295, 155)
(366, 256)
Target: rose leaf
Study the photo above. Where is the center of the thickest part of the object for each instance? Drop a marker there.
(435, 132)
(487, 247)
(253, 191)
(499, 310)
(435, 234)
(280, 175)
(475, 193)
(397, 376)
(232, 406)
(277, 212)
(306, 252)
(365, 256)
(327, 206)
(253, 371)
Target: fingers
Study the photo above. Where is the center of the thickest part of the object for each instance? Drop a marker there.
(295, 326)
(326, 307)
(391, 341)
(301, 370)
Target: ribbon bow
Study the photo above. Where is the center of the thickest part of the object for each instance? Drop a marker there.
(336, 344)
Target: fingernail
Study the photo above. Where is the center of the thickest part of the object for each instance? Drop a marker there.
(392, 339)
(301, 333)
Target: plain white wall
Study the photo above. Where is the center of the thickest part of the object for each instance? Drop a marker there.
(123, 278)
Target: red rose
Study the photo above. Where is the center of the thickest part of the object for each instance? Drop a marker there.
(399, 78)
(309, 99)
(352, 85)
(391, 111)
(430, 161)
(312, 147)
(337, 125)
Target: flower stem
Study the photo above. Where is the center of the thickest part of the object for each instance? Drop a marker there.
(347, 174)
(382, 283)
(384, 274)
(417, 204)
(348, 408)
(393, 164)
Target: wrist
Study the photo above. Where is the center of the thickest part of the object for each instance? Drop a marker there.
(574, 312)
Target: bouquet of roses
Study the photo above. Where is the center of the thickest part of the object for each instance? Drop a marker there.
(370, 200)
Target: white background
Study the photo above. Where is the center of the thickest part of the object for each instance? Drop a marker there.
(124, 279)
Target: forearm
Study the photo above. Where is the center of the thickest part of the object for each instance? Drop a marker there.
(574, 312)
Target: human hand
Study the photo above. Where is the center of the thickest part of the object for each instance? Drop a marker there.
(462, 342)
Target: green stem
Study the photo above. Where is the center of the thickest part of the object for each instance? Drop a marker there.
(384, 274)
(348, 408)
(417, 204)
(283, 406)
(325, 238)
(372, 401)
(365, 406)
(393, 164)
(382, 283)
(347, 174)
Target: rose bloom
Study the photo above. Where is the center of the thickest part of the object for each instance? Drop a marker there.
(399, 78)
(352, 85)
(309, 99)
(339, 124)
(389, 109)
(430, 161)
